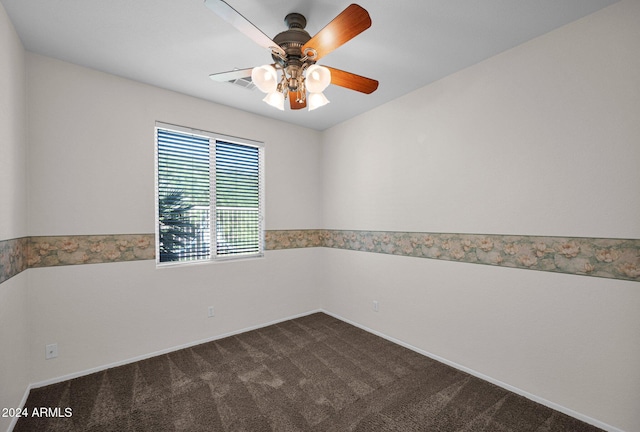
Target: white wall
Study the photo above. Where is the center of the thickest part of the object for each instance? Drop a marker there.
(13, 216)
(92, 146)
(13, 196)
(91, 171)
(542, 139)
(101, 314)
(539, 140)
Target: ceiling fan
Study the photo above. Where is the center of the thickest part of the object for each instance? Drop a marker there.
(295, 54)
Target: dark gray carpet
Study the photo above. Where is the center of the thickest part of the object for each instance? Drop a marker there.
(314, 373)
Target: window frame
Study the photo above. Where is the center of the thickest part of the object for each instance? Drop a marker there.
(213, 137)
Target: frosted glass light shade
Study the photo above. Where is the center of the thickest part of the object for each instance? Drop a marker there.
(316, 100)
(275, 99)
(265, 78)
(318, 78)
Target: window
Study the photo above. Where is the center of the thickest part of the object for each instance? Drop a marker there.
(207, 183)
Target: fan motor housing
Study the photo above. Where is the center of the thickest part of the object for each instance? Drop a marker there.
(292, 40)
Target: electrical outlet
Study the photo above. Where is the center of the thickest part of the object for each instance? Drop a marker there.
(211, 312)
(51, 351)
(376, 306)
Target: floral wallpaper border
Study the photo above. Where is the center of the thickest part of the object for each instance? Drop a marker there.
(600, 257)
(17, 255)
(89, 249)
(12, 257)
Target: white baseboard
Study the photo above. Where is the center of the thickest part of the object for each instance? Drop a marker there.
(499, 383)
(506, 386)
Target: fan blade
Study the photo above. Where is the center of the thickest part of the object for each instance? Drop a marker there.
(231, 75)
(293, 103)
(348, 24)
(235, 18)
(352, 81)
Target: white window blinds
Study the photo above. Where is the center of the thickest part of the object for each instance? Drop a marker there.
(207, 184)
(238, 199)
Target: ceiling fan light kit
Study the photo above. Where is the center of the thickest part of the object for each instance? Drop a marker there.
(318, 78)
(275, 99)
(265, 78)
(295, 54)
(316, 100)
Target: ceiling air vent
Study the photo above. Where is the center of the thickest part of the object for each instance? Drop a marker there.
(244, 83)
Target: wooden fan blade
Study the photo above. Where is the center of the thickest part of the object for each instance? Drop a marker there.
(294, 104)
(348, 24)
(236, 19)
(231, 75)
(352, 81)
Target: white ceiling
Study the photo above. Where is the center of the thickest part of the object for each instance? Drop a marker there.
(176, 44)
